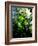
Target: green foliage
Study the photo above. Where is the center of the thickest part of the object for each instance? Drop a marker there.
(24, 17)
